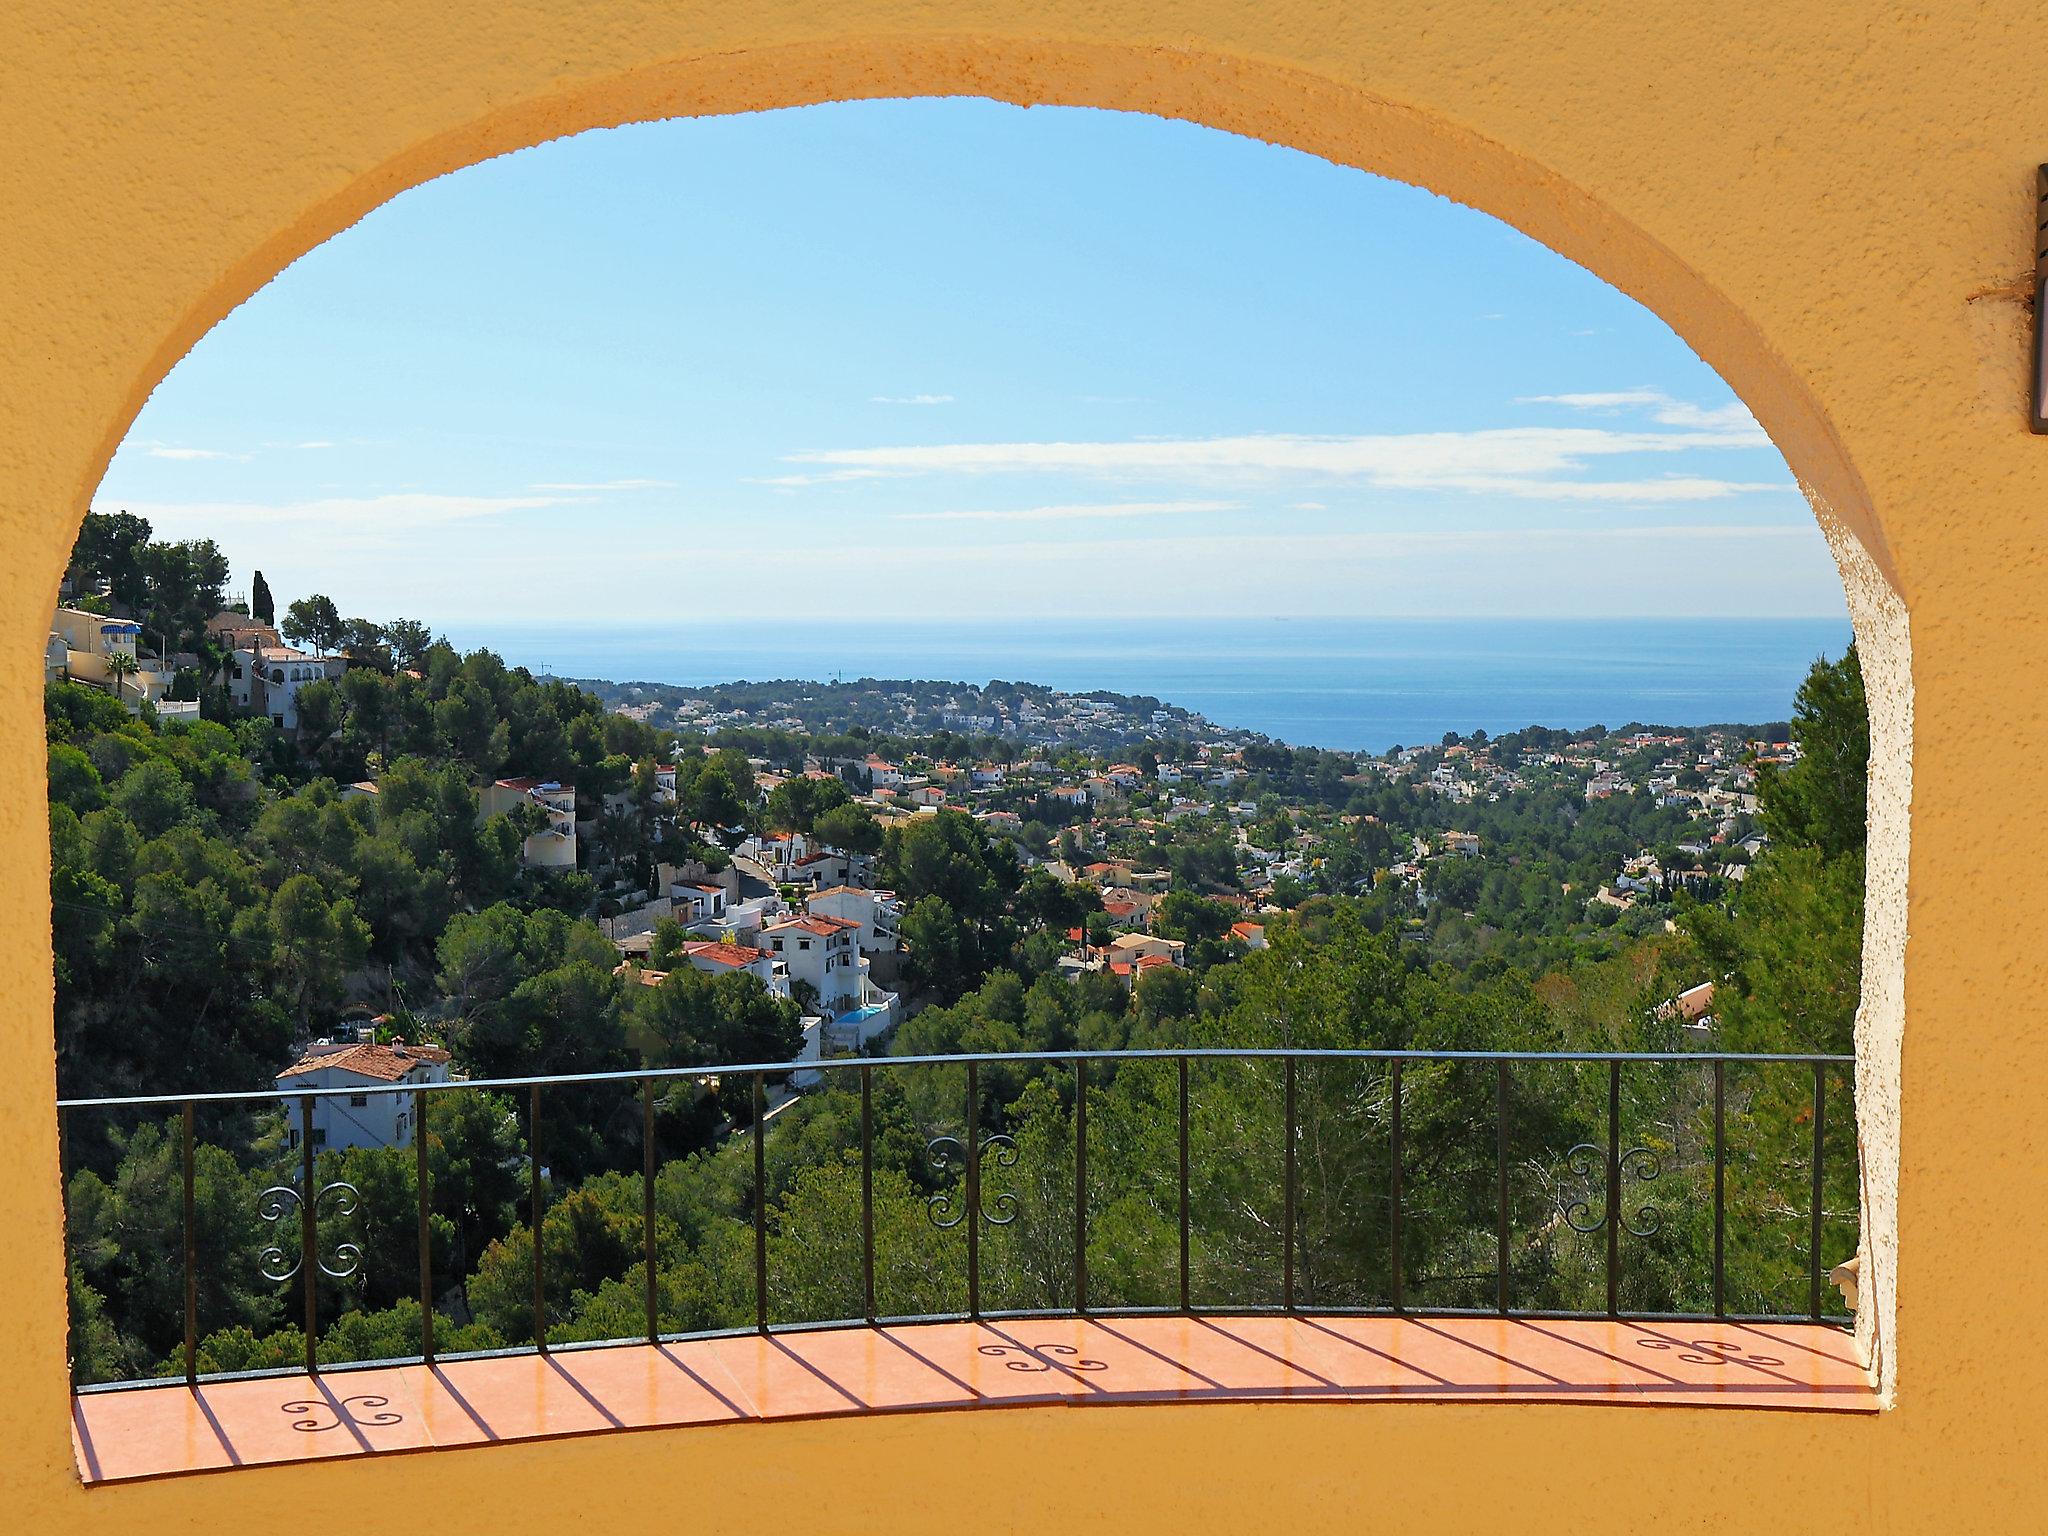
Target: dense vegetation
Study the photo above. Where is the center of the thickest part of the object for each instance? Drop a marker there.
(217, 898)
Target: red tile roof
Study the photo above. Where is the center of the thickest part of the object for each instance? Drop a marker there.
(390, 1064)
(735, 955)
(825, 927)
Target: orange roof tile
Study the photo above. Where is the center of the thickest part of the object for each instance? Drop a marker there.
(388, 1064)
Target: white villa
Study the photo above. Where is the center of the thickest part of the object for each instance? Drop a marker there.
(267, 679)
(877, 914)
(360, 1119)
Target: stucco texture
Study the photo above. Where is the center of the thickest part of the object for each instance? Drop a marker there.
(1832, 204)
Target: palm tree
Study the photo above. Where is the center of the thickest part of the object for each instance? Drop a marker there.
(121, 665)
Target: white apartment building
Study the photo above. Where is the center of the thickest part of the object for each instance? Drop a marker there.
(554, 845)
(347, 1118)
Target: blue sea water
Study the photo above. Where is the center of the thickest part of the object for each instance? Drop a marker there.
(1346, 684)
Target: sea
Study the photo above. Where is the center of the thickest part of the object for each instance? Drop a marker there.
(1344, 684)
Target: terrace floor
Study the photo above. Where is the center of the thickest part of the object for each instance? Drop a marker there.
(161, 1431)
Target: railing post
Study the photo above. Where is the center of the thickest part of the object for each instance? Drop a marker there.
(647, 1208)
(188, 1226)
(867, 1191)
(64, 1202)
(1820, 1102)
(1184, 1184)
(1720, 1188)
(1287, 1196)
(1613, 1187)
(540, 1293)
(973, 1192)
(309, 1257)
(1500, 1178)
(1394, 1189)
(421, 1178)
(760, 1205)
(1080, 1184)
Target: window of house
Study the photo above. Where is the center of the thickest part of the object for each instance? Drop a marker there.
(319, 1137)
(358, 1101)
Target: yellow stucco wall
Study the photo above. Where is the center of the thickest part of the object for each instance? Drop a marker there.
(1833, 204)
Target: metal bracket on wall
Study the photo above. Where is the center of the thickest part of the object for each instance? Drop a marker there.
(2038, 419)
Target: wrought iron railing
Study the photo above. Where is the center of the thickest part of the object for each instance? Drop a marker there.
(1597, 1189)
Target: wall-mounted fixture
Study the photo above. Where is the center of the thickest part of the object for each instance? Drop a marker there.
(2039, 418)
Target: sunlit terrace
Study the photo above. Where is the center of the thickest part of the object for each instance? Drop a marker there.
(1360, 1226)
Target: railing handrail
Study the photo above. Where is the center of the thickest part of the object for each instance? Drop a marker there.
(634, 1075)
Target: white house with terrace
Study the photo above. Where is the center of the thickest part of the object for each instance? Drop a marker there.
(267, 679)
(825, 953)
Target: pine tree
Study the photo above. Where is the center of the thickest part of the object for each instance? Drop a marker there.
(260, 602)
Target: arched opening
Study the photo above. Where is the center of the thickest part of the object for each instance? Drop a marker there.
(865, 463)
(1242, 96)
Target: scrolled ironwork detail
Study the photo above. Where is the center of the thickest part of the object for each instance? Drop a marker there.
(1640, 1164)
(1000, 1152)
(1584, 1177)
(280, 1201)
(940, 1209)
(943, 1211)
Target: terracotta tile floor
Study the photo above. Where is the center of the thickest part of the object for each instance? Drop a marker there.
(160, 1431)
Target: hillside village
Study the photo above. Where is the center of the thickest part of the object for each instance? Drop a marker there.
(765, 831)
(322, 860)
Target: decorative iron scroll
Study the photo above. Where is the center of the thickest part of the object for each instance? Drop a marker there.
(1585, 1177)
(281, 1200)
(1032, 1357)
(999, 1151)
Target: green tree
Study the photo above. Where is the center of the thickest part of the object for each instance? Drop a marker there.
(314, 621)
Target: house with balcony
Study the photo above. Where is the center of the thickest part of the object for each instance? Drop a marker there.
(876, 915)
(346, 1113)
(825, 953)
(553, 845)
(266, 679)
(94, 648)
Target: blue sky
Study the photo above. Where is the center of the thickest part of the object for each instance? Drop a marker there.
(959, 360)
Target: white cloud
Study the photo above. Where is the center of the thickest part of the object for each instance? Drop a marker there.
(1602, 400)
(826, 477)
(341, 517)
(910, 399)
(322, 443)
(168, 451)
(1517, 462)
(1733, 417)
(605, 485)
(1308, 506)
(1085, 512)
